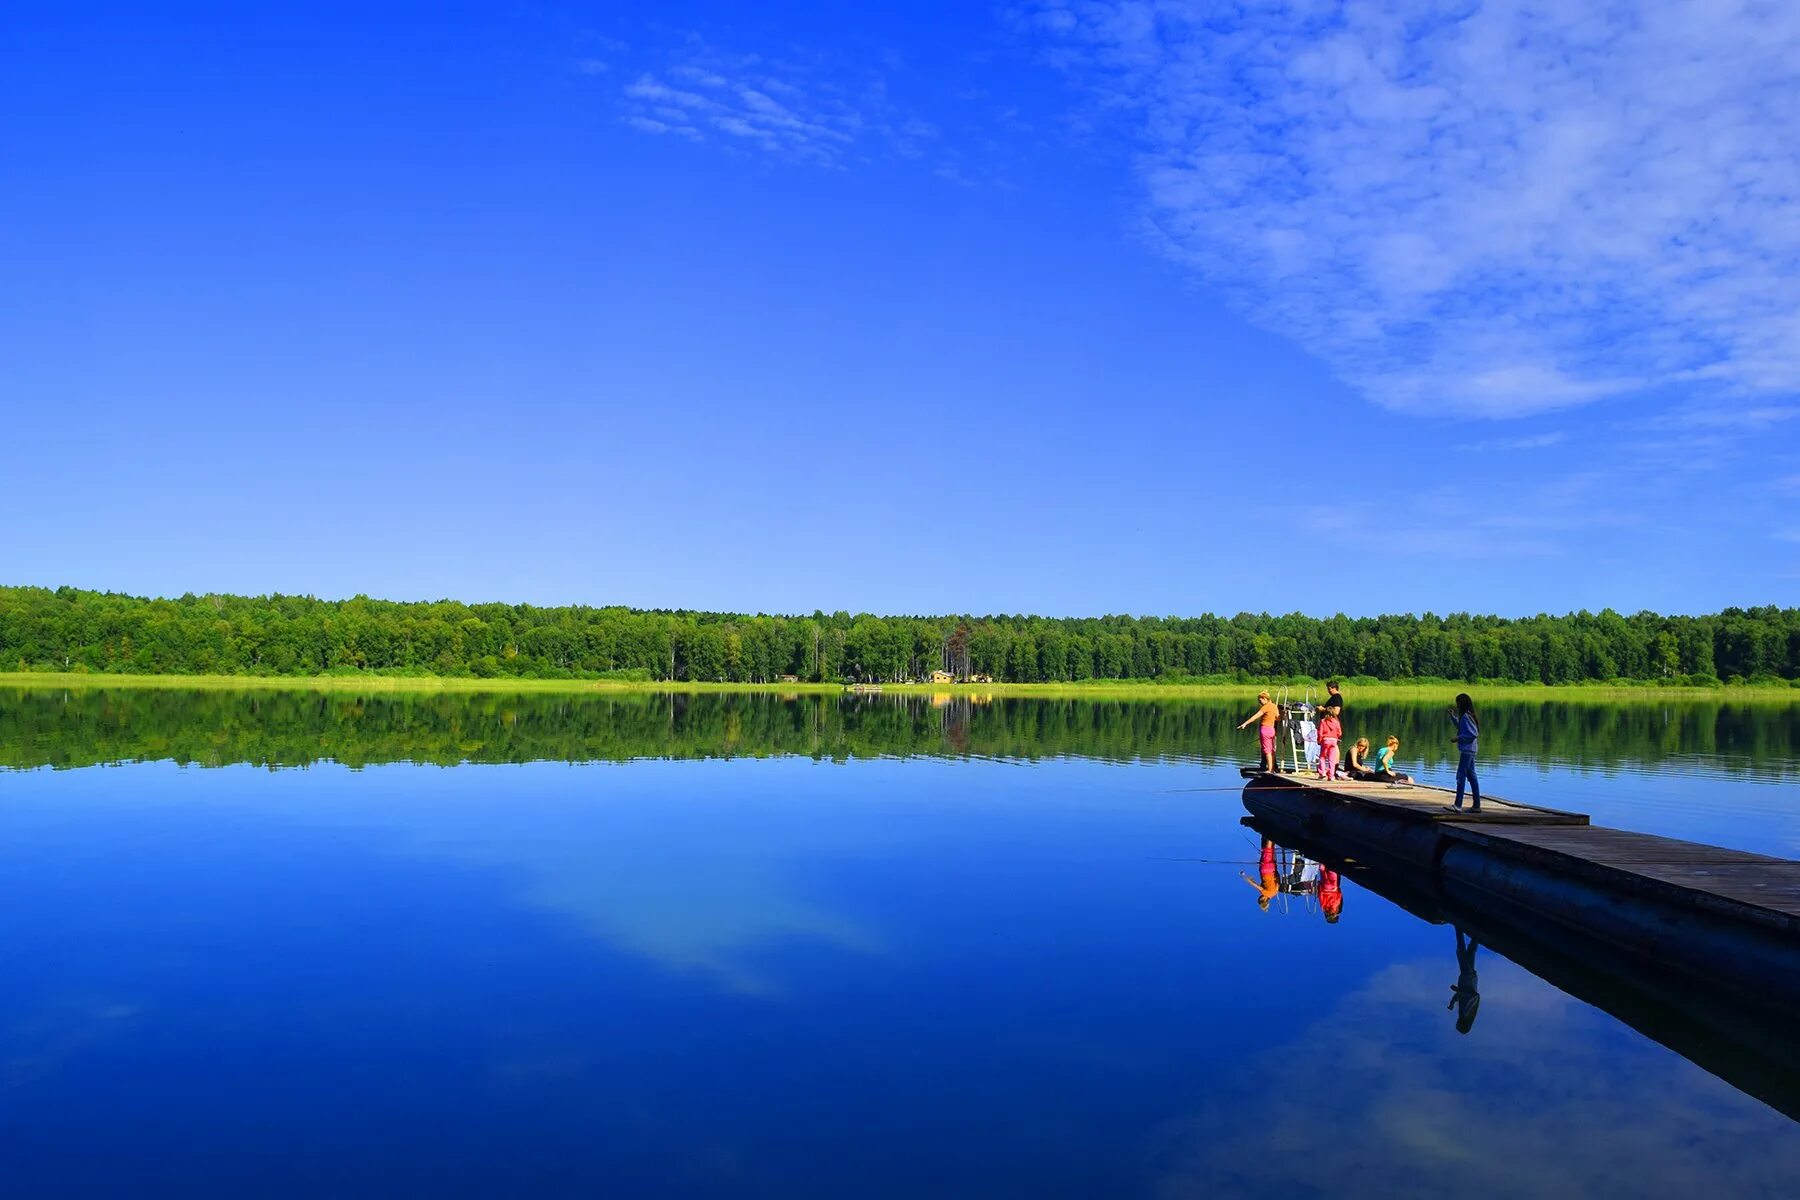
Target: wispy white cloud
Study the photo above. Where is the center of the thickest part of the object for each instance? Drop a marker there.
(1489, 209)
(653, 125)
(1699, 435)
(1536, 441)
(796, 109)
(1461, 522)
(1741, 418)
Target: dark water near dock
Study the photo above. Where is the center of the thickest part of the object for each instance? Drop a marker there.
(739, 945)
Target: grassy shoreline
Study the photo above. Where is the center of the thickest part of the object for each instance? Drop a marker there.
(1057, 691)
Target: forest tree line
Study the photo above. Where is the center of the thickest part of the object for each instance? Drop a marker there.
(68, 629)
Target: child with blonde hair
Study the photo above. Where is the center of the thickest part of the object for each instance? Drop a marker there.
(1384, 763)
(1267, 712)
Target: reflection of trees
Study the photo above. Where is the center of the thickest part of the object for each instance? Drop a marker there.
(53, 727)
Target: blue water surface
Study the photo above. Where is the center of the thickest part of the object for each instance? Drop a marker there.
(891, 976)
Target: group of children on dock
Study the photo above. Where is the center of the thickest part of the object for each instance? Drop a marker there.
(1358, 764)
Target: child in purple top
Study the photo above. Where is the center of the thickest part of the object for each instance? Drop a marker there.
(1468, 741)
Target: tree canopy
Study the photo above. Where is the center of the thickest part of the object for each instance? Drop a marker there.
(68, 629)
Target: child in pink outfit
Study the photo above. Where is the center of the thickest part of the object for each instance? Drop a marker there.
(1330, 730)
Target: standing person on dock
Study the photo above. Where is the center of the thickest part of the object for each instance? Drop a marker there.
(1268, 712)
(1331, 731)
(1334, 700)
(1468, 741)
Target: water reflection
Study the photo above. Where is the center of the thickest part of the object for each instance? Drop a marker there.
(1268, 881)
(60, 727)
(1744, 1039)
(1465, 993)
(1378, 1096)
(729, 976)
(1303, 884)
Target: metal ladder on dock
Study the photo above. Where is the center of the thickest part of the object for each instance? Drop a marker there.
(1295, 715)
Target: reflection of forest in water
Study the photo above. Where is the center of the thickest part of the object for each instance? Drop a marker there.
(66, 728)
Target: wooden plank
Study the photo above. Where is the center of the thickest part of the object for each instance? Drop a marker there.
(1754, 886)
(1757, 884)
(1711, 876)
(1418, 801)
(1624, 846)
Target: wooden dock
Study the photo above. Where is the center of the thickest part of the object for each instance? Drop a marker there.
(1736, 1023)
(1735, 883)
(1510, 847)
(1419, 801)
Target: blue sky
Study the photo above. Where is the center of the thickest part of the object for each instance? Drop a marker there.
(1066, 308)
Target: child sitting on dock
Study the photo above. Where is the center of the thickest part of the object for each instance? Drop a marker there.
(1384, 764)
(1354, 766)
(1330, 731)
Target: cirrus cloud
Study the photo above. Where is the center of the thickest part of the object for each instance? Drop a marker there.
(799, 109)
(1489, 210)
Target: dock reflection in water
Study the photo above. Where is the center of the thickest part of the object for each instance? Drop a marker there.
(1736, 1035)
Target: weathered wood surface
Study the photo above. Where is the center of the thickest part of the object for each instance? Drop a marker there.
(1622, 846)
(1756, 886)
(1709, 873)
(1418, 801)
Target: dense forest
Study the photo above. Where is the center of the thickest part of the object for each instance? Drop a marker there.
(74, 727)
(67, 629)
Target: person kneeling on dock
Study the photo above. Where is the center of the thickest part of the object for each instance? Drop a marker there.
(1354, 765)
(1384, 764)
(1268, 713)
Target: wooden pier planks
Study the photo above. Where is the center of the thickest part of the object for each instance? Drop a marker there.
(1712, 876)
(1420, 801)
(1758, 887)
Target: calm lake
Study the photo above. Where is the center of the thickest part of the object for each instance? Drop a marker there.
(284, 944)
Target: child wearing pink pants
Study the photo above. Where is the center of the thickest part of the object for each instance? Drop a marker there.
(1330, 730)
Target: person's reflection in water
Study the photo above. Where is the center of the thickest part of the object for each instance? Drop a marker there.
(1301, 877)
(1271, 879)
(1465, 997)
(1331, 895)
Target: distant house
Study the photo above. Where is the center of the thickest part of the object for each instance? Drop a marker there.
(942, 677)
(790, 679)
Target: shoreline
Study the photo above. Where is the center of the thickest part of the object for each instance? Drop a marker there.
(1399, 690)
